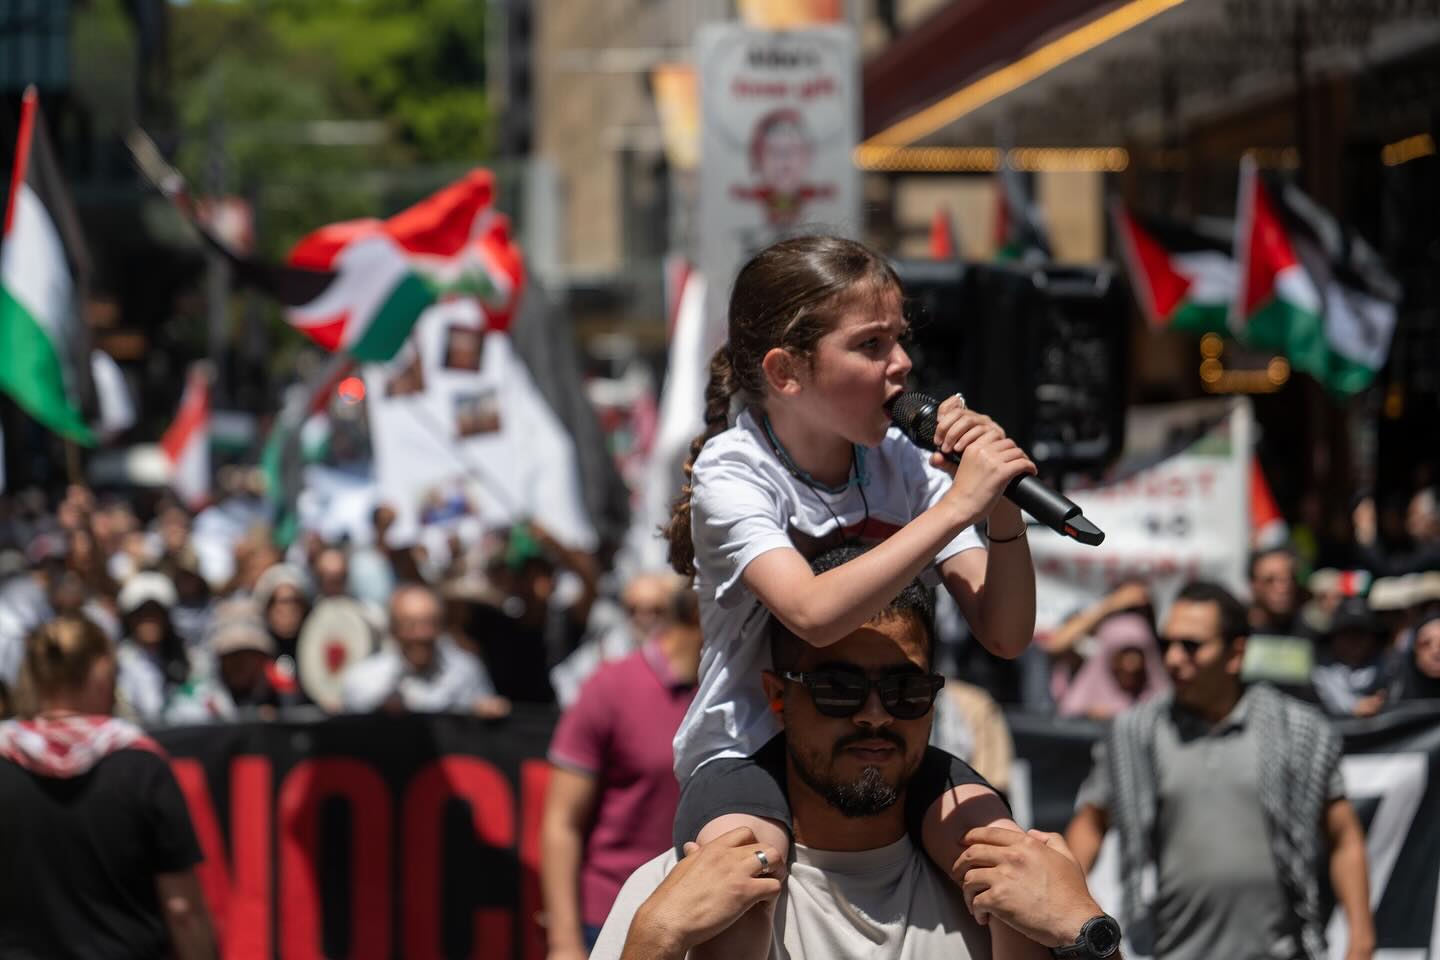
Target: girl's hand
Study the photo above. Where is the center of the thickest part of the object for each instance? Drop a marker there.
(989, 460)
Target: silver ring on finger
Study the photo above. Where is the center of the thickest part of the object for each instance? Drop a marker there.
(765, 869)
(959, 398)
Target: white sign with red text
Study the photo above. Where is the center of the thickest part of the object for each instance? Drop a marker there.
(780, 118)
(1186, 517)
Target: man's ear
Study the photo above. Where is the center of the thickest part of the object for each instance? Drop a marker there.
(774, 693)
(1235, 659)
(781, 368)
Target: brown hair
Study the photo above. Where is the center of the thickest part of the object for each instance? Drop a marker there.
(789, 296)
(59, 656)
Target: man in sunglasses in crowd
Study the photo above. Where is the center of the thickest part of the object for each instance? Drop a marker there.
(857, 718)
(1230, 792)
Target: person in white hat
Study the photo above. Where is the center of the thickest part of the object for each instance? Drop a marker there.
(151, 657)
(247, 683)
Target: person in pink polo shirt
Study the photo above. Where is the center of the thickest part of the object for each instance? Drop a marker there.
(611, 801)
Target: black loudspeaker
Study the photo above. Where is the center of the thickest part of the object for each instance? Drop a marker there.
(1041, 350)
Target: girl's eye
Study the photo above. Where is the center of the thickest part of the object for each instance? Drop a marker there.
(907, 337)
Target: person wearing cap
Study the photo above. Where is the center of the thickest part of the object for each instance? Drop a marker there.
(151, 657)
(1354, 673)
(246, 683)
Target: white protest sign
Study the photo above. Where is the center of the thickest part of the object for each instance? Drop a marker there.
(463, 438)
(780, 118)
(1183, 518)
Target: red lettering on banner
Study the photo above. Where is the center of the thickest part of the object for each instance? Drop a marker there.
(214, 872)
(534, 779)
(249, 920)
(492, 810)
(305, 788)
(238, 898)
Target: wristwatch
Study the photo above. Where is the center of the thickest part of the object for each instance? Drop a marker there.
(1099, 938)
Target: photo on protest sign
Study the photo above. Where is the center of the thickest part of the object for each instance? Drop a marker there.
(464, 348)
(780, 116)
(407, 375)
(477, 413)
(445, 503)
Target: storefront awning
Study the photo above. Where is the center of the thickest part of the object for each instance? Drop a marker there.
(1078, 73)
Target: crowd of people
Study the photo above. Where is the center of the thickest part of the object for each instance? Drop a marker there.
(861, 759)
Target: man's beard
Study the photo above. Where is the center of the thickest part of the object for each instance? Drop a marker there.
(865, 796)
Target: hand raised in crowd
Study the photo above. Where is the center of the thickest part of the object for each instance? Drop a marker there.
(989, 459)
(1031, 881)
(706, 892)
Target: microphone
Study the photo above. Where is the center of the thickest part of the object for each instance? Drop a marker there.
(915, 415)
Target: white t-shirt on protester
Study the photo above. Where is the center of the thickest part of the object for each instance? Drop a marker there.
(884, 904)
(745, 503)
(455, 681)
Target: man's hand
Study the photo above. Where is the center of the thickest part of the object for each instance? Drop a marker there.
(706, 892)
(1031, 881)
(567, 953)
(1359, 950)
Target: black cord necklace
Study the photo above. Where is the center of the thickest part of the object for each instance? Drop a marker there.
(859, 480)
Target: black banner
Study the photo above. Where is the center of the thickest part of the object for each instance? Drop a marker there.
(419, 836)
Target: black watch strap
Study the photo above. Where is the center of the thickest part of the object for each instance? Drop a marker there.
(1099, 939)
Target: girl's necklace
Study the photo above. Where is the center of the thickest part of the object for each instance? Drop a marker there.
(860, 479)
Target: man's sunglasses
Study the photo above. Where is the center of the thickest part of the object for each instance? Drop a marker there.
(1188, 647)
(841, 693)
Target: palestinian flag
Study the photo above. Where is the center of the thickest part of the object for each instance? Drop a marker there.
(43, 264)
(186, 443)
(1267, 524)
(451, 244)
(1183, 279)
(360, 286)
(1020, 234)
(1308, 288)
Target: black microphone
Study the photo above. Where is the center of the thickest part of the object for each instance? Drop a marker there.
(915, 415)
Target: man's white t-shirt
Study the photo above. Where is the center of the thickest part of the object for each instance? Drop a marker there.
(745, 503)
(884, 904)
(455, 681)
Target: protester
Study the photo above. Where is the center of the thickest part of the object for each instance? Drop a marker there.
(616, 630)
(1233, 794)
(1123, 669)
(1419, 676)
(151, 658)
(1064, 644)
(1353, 676)
(331, 571)
(1275, 593)
(530, 624)
(612, 794)
(191, 613)
(814, 360)
(246, 684)
(419, 669)
(97, 842)
(1422, 530)
(858, 887)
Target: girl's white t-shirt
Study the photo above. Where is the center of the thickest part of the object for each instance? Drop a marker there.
(745, 503)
